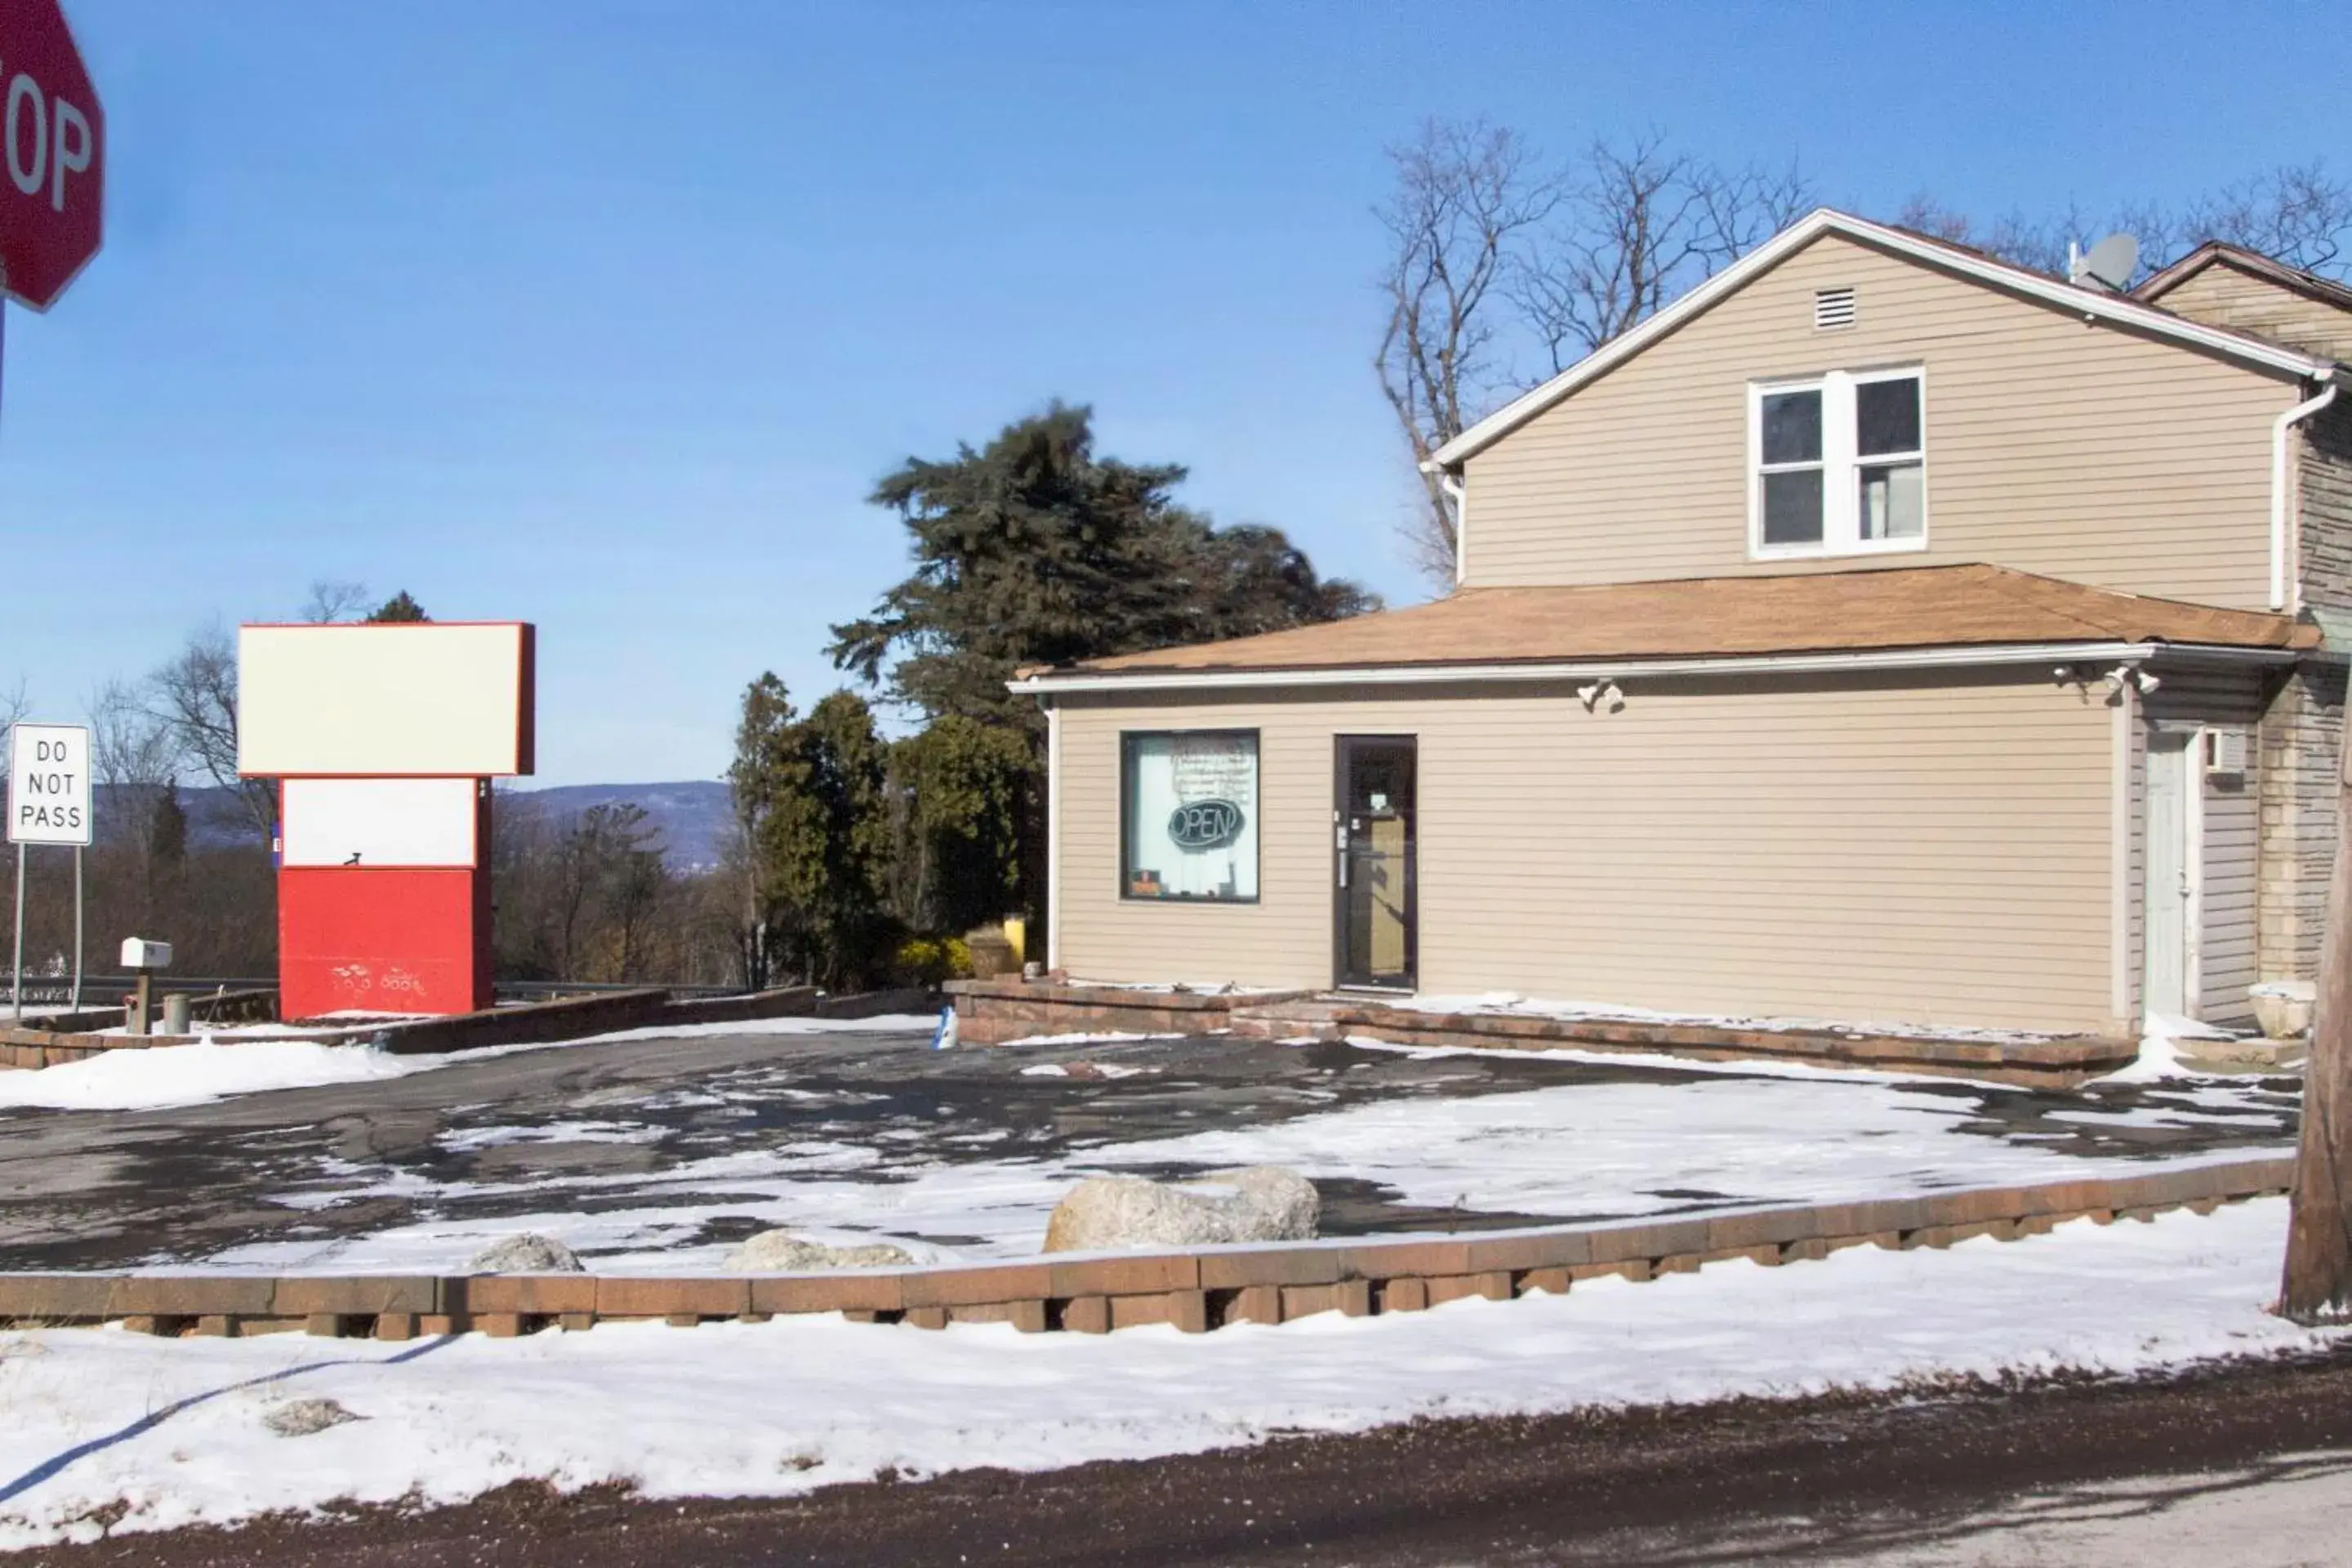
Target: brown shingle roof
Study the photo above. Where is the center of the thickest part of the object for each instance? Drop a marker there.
(1715, 617)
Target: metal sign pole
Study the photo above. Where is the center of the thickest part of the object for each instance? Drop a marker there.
(16, 987)
(77, 985)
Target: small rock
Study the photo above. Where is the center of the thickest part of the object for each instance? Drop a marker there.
(1263, 1202)
(525, 1254)
(301, 1417)
(782, 1252)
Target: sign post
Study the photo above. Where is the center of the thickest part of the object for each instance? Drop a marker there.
(49, 803)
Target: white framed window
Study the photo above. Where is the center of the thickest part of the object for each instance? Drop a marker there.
(1837, 464)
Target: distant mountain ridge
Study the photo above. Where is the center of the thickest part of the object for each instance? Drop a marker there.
(692, 814)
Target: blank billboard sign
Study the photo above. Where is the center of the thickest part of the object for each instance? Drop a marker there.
(378, 822)
(415, 701)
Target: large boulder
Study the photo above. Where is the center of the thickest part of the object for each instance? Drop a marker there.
(782, 1252)
(525, 1254)
(1263, 1202)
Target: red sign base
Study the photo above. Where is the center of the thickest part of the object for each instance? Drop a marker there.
(383, 939)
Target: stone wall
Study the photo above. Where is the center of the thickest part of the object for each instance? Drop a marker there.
(2301, 737)
(2302, 734)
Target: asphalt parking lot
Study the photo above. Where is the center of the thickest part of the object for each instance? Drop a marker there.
(674, 1125)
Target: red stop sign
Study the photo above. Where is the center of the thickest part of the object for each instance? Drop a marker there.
(52, 156)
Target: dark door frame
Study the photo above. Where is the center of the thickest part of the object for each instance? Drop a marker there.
(1342, 753)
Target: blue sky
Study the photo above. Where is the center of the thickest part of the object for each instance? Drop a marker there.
(607, 316)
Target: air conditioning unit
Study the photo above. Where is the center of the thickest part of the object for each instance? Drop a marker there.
(2225, 752)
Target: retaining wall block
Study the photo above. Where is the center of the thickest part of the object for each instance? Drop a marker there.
(57, 1297)
(1976, 1204)
(1028, 1317)
(1189, 1310)
(1140, 1311)
(1153, 1274)
(1770, 1227)
(1404, 1294)
(1557, 1250)
(1306, 1301)
(1256, 1304)
(1397, 1259)
(1618, 1244)
(854, 1292)
(1087, 1315)
(395, 1326)
(299, 1297)
(971, 1287)
(926, 1316)
(1287, 1265)
(628, 1298)
(1546, 1282)
(190, 1296)
(532, 1294)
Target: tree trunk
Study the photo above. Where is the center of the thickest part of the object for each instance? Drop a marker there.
(2319, 1279)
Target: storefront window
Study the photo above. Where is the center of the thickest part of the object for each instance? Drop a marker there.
(1189, 805)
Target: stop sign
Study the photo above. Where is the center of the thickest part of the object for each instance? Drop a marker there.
(52, 154)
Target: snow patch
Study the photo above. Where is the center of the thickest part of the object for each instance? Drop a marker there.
(173, 1430)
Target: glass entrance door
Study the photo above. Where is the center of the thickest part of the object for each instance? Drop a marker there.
(1376, 926)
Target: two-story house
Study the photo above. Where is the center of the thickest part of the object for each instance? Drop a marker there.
(1881, 633)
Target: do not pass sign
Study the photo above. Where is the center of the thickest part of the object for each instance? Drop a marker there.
(49, 784)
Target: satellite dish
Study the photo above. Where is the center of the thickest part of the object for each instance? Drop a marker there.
(2110, 263)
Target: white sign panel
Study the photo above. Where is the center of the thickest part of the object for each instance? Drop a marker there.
(419, 700)
(378, 822)
(49, 784)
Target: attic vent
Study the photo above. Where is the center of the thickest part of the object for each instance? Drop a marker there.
(1833, 308)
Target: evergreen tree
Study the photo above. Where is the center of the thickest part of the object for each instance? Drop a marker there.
(962, 791)
(1035, 550)
(820, 849)
(400, 608)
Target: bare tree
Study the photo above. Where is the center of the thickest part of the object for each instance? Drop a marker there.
(1643, 222)
(2298, 213)
(133, 757)
(1465, 197)
(1491, 249)
(2040, 243)
(195, 696)
(332, 600)
(15, 702)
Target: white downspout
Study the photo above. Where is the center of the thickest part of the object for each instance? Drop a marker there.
(1459, 494)
(2280, 507)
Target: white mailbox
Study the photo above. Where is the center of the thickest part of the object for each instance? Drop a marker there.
(145, 952)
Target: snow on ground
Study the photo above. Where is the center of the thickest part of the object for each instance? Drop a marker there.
(1572, 1151)
(883, 1023)
(154, 1076)
(173, 1430)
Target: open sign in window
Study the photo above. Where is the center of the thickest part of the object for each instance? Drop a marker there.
(1189, 815)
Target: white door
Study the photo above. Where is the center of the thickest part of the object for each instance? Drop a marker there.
(2169, 884)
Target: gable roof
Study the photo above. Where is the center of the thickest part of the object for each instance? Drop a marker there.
(1943, 255)
(2310, 285)
(1972, 606)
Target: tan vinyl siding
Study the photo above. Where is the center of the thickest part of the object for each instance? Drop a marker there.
(2222, 296)
(2229, 851)
(2080, 452)
(1931, 849)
